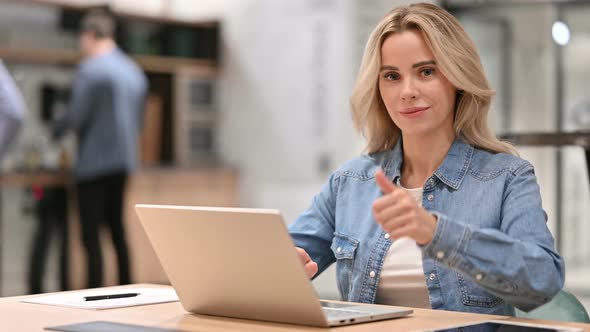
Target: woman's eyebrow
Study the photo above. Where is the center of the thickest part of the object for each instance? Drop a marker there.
(417, 64)
(389, 68)
(423, 63)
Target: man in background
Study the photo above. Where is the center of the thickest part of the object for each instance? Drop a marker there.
(105, 112)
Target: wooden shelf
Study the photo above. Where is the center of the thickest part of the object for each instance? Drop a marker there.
(580, 138)
(149, 63)
(44, 56)
(169, 64)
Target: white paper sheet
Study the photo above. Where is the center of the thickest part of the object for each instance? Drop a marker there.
(76, 299)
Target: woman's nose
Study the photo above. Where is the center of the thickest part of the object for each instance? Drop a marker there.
(409, 90)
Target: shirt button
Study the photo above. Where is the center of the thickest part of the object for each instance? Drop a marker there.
(338, 249)
(430, 197)
(372, 274)
(440, 255)
(478, 276)
(432, 276)
(386, 235)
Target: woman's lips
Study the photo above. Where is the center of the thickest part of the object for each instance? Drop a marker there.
(413, 112)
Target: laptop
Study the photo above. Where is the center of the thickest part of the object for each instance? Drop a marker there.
(241, 263)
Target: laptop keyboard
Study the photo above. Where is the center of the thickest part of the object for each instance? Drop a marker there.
(334, 313)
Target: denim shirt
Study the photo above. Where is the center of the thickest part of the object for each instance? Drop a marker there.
(491, 251)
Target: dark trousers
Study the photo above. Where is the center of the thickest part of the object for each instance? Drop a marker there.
(101, 203)
(52, 218)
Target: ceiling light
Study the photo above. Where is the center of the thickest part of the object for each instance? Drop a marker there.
(561, 33)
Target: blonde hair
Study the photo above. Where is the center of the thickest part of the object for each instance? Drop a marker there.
(455, 55)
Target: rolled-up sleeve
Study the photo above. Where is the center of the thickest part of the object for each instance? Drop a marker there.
(517, 262)
(313, 230)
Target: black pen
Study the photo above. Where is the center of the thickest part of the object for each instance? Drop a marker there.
(109, 296)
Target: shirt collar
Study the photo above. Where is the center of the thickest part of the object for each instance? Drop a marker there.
(452, 170)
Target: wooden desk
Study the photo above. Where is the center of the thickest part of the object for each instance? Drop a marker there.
(18, 316)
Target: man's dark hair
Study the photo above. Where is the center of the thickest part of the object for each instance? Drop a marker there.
(100, 23)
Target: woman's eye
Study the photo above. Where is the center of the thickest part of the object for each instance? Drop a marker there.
(391, 76)
(427, 72)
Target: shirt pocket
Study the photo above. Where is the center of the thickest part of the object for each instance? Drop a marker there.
(344, 249)
(474, 295)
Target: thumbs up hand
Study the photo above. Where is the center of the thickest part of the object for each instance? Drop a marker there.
(399, 215)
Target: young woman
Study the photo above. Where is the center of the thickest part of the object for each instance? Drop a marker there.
(439, 213)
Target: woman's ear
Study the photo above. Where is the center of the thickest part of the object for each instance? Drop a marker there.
(458, 96)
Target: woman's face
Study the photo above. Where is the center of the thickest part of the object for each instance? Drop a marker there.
(418, 97)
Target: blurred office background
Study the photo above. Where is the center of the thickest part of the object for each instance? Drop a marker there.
(249, 107)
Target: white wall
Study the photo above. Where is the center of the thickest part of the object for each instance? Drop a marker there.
(284, 91)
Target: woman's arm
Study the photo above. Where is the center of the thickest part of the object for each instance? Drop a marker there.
(517, 262)
(314, 229)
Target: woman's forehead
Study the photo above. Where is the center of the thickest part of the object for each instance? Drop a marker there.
(405, 47)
